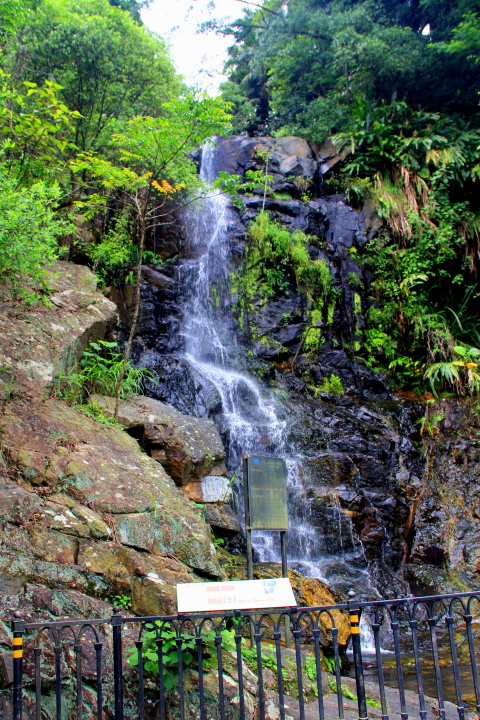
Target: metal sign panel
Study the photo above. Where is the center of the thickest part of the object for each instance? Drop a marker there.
(267, 492)
(235, 595)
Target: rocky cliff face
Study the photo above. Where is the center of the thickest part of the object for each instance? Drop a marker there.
(90, 511)
(445, 519)
(368, 487)
(101, 512)
(82, 505)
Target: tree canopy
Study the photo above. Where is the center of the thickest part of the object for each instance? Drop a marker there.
(298, 66)
(95, 122)
(109, 67)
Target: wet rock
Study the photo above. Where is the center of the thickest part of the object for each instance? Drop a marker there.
(294, 146)
(288, 155)
(297, 166)
(153, 277)
(329, 155)
(444, 521)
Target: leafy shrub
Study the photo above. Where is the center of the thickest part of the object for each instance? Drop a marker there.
(97, 372)
(420, 171)
(29, 230)
(123, 601)
(274, 255)
(170, 651)
(333, 385)
(115, 250)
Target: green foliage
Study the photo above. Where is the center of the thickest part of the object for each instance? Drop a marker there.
(274, 257)
(29, 230)
(217, 542)
(115, 250)
(330, 663)
(333, 385)
(460, 374)
(35, 130)
(170, 651)
(465, 39)
(420, 170)
(123, 601)
(110, 68)
(98, 372)
(345, 691)
(152, 144)
(311, 670)
(365, 74)
(429, 424)
(298, 68)
(96, 411)
(92, 108)
(269, 660)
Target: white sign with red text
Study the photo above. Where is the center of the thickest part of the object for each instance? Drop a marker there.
(235, 595)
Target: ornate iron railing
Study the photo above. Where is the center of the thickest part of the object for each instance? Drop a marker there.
(201, 666)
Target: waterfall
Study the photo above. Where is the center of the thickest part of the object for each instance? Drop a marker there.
(251, 417)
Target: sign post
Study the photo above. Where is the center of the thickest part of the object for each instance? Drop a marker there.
(265, 499)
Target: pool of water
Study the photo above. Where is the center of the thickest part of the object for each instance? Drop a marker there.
(428, 676)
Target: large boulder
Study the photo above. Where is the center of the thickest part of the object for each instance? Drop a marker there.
(289, 158)
(39, 342)
(185, 446)
(87, 480)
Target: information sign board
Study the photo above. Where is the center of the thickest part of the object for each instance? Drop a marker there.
(235, 595)
(267, 492)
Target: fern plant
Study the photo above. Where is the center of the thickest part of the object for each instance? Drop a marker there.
(97, 372)
(460, 374)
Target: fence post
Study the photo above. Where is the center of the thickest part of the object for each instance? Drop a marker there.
(354, 610)
(18, 630)
(117, 662)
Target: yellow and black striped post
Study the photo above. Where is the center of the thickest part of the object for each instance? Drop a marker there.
(18, 630)
(354, 610)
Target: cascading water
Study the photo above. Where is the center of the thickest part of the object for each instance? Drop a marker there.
(251, 418)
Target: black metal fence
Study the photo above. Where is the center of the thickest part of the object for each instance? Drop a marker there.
(413, 657)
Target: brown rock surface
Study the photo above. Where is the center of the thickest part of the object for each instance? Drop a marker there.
(185, 446)
(443, 527)
(37, 343)
(80, 494)
(221, 515)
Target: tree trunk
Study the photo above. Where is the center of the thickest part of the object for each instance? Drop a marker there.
(141, 243)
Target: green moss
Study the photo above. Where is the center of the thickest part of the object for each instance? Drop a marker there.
(331, 310)
(215, 296)
(273, 256)
(333, 385)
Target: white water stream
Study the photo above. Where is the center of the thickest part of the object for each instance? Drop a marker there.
(252, 419)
